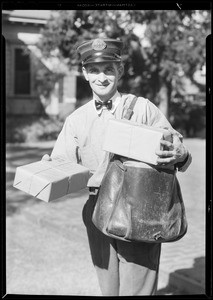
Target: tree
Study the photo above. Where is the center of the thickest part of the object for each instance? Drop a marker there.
(176, 45)
(177, 48)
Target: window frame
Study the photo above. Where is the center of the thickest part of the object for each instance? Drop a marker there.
(23, 47)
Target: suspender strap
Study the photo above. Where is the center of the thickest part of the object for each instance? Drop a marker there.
(129, 112)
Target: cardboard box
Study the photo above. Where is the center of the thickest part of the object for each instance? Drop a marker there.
(135, 141)
(50, 180)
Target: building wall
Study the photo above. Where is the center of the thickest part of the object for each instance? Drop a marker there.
(8, 56)
(18, 104)
(10, 30)
(24, 106)
(63, 97)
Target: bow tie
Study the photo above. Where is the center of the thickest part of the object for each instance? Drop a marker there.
(99, 104)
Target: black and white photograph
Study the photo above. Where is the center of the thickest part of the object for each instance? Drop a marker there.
(105, 141)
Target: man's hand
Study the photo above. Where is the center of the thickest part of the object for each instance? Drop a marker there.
(46, 157)
(176, 152)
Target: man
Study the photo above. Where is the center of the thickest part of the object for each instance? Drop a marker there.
(123, 268)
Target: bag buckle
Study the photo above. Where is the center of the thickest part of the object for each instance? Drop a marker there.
(93, 190)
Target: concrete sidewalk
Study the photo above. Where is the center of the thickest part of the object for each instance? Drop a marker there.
(47, 249)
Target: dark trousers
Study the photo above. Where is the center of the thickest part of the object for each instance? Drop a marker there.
(123, 268)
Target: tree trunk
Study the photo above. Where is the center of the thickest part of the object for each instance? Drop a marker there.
(164, 96)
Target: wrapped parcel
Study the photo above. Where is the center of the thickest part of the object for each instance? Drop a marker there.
(135, 141)
(50, 180)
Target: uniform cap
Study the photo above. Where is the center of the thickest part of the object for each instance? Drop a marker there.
(100, 50)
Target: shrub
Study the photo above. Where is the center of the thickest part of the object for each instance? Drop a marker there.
(189, 118)
(20, 129)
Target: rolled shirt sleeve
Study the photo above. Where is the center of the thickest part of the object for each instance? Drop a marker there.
(156, 118)
(183, 166)
(66, 145)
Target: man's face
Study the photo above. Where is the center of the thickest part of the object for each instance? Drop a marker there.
(103, 78)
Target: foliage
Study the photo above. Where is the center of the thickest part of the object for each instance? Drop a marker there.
(188, 118)
(31, 129)
(45, 82)
(71, 27)
(175, 45)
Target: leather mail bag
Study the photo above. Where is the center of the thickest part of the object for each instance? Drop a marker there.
(140, 202)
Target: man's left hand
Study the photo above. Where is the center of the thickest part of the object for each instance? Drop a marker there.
(176, 152)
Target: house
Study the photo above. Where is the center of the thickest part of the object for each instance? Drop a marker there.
(25, 94)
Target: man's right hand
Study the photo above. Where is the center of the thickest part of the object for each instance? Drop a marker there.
(46, 157)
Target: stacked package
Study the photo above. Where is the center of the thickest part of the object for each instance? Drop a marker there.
(50, 180)
(135, 141)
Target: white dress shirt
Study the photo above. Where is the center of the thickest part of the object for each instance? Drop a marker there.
(82, 135)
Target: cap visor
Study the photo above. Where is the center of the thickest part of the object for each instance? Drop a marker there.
(101, 59)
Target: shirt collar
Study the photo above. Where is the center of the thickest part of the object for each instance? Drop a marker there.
(115, 101)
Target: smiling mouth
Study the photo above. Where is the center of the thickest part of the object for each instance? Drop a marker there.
(102, 85)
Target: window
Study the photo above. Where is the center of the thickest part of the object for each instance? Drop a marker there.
(22, 72)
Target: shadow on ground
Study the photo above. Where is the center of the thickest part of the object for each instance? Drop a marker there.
(18, 156)
(191, 280)
(16, 200)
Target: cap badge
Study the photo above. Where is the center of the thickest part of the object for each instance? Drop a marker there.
(98, 45)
